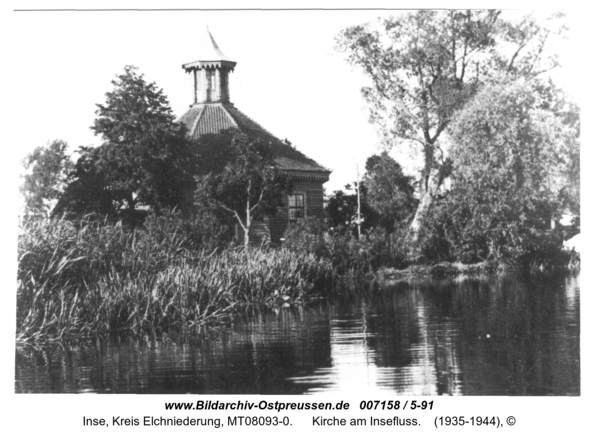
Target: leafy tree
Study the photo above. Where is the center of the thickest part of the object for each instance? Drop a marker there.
(146, 158)
(215, 151)
(248, 188)
(390, 191)
(425, 66)
(48, 168)
(88, 190)
(513, 153)
(569, 195)
(342, 209)
(386, 197)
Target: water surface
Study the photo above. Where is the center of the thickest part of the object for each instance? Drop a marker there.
(465, 336)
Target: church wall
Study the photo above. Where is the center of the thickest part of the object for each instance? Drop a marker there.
(314, 197)
(313, 194)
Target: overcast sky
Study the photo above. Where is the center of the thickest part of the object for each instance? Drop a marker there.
(289, 77)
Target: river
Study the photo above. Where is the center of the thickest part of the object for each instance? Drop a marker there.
(492, 335)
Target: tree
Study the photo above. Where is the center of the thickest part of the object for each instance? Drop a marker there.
(425, 66)
(248, 188)
(342, 209)
(512, 147)
(48, 167)
(390, 191)
(387, 197)
(146, 158)
(88, 190)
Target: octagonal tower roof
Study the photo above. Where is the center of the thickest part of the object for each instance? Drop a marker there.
(211, 55)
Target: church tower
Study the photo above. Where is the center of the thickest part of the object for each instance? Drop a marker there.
(211, 72)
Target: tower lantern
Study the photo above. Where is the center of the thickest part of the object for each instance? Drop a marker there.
(210, 72)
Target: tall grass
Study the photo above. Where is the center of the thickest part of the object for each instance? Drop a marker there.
(89, 279)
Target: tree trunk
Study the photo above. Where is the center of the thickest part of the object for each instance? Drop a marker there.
(246, 238)
(248, 224)
(428, 193)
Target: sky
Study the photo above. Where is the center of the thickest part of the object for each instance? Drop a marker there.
(289, 76)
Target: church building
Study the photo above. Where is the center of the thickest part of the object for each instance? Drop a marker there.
(212, 113)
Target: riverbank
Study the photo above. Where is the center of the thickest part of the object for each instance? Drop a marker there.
(78, 281)
(438, 269)
(81, 280)
(445, 268)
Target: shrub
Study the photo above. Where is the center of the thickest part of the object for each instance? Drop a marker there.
(434, 244)
(307, 236)
(346, 253)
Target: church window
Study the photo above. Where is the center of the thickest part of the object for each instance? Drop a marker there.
(296, 206)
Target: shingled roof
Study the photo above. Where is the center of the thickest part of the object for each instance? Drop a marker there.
(217, 118)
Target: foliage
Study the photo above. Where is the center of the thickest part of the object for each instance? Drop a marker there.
(425, 66)
(390, 191)
(215, 151)
(198, 231)
(249, 187)
(342, 209)
(346, 253)
(93, 247)
(42, 186)
(90, 279)
(512, 154)
(435, 243)
(569, 195)
(387, 203)
(88, 190)
(145, 160)
(386, 193)
(307, 236)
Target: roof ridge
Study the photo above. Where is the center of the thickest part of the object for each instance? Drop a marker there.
(198, 117)
(229, 115)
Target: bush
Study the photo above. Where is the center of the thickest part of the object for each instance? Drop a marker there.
(452, 233)
(544, 253)
(434, 244)
(376, 248)
(307, 236)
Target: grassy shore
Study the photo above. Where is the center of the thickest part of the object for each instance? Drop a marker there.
(88, 279)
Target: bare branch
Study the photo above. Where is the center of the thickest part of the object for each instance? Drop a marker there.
(259, 199)
(233, 211)
(514, 57)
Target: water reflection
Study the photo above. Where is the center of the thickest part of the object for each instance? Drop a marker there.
(466, 336)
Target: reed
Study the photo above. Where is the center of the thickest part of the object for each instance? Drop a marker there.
(89, 279)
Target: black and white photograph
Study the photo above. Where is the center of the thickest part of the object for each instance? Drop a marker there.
(377, 202)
